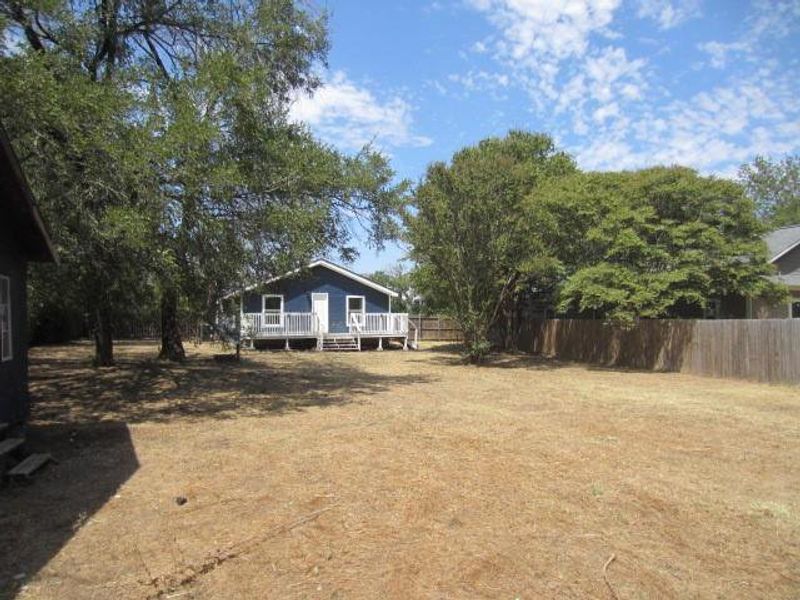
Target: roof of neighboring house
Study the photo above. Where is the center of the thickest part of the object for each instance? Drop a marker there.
(321, 262)
(19, 207)
(781, 241)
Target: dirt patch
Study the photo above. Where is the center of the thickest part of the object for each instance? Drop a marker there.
(400, 475)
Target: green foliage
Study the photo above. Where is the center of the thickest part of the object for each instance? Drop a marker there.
(430, 290)
(645, 243)
(470, 233)
(478, 350)
(83, 155)
(397, 278)
(157, 141)
(774, 186)
(512, 216)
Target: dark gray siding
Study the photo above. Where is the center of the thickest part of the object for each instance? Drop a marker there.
(297, 292)
(789, 267)
(14, 403)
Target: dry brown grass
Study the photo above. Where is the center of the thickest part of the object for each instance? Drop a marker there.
(401, 475)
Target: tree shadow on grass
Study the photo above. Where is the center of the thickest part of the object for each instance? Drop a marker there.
(452, 355)
(39, 518)
(141, 388)
(81, 416)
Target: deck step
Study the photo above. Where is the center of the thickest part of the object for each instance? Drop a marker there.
(31, 464)
(10, 444)
(344, 342)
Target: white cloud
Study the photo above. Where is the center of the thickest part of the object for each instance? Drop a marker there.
(481, 80)
(480, 47)
(606, 111)
(669, 13)
(612, 73)
(547, 46)
(769, 23)
(351, 116)
(611, 107)
(774, 19)
(552, 28)
(713, 131)
(719, 52)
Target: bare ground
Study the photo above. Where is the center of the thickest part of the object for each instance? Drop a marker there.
(400, 475)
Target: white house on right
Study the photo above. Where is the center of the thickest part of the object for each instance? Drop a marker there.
(784, 251)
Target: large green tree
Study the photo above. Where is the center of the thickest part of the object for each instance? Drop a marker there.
(470, 234)
(774, 186)
(649, 243)
(89, 168)
(178, 110)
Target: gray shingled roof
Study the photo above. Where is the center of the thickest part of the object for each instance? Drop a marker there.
(782, 239)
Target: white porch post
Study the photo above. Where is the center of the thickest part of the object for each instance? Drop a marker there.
(405, 343)
(287, 348)
(380, 343)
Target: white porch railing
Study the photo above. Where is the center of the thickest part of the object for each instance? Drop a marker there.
(279, 324)
(389, 324)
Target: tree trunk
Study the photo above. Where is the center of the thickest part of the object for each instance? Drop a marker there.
(171, 344)
(511, 313)
(103, 342)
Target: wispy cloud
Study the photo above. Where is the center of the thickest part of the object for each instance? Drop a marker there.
(483, 82)
(720, 52)
(551, 29)
(768, 24)
(615, 111)
(711, 131)
(669, 13)
(349, 115)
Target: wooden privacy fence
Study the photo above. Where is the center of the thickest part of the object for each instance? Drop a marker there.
(436, 329)
(763, 349)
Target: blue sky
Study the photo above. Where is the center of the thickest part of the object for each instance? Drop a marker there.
(618, 83)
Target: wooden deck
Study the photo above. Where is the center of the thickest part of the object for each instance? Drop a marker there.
(288, 326)
(307, 325)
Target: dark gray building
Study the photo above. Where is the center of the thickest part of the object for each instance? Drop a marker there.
(23, 238)
(784, 252)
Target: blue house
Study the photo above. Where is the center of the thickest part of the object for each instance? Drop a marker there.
(326, 303)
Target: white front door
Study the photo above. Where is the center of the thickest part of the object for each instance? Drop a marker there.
(319, 306)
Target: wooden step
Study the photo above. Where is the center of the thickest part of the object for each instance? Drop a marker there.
(339, 343)
(10, 444)
(329, 348)
(31, 464)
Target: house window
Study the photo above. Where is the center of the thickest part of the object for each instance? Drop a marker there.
(272, 309)
(5, 319)
(796, 309)
(355, 306)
